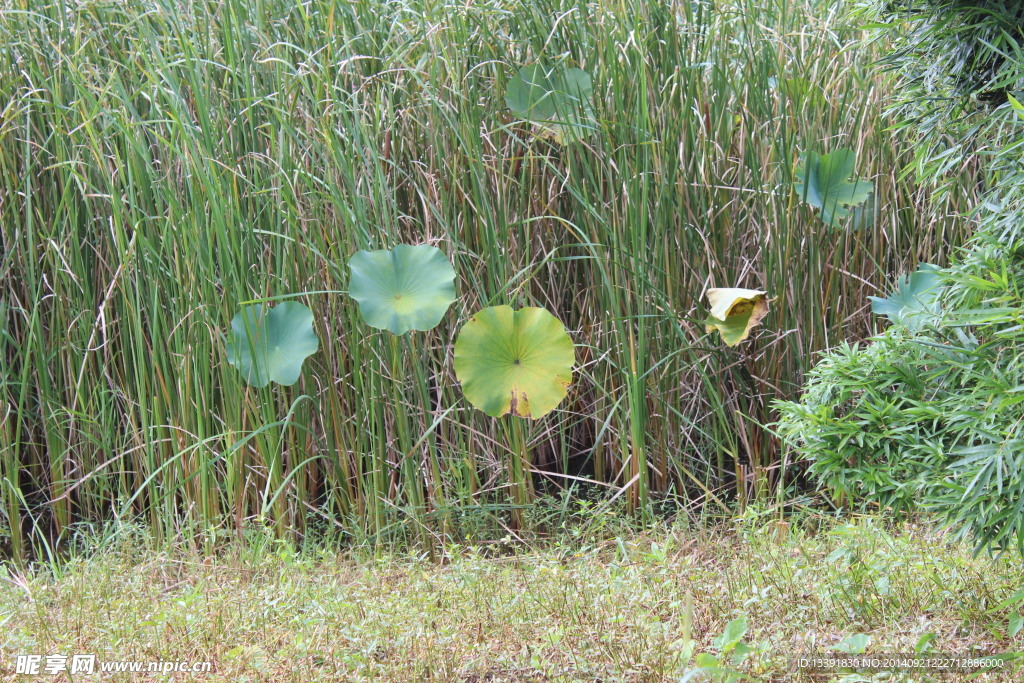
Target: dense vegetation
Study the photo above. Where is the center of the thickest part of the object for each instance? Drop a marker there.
(930, 413)
(491, 282)
(164, 164)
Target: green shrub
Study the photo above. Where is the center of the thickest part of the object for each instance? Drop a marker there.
(932, 418)
(871, 441)
(955, 60)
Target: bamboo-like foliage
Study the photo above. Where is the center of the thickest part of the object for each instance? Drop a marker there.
(163, 163)
(927, 414)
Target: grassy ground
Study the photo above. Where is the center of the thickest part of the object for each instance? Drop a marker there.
(635, 608)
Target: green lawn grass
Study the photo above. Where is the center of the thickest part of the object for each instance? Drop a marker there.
(634, 607)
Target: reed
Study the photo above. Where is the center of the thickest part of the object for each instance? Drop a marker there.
(163, 162)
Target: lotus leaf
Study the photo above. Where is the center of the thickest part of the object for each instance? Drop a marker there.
(401, 289)
(556, 100)
(270, 344)
(824, 185)
(517, 362)
(735, 312)
(914, 301)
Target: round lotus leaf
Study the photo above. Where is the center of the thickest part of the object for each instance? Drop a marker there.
(556, 99)
(402, 289)
(517, 362)
(270, 344)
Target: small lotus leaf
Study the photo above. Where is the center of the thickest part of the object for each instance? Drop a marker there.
(402, 289)
(517, 362)
(270, 344)
(824, 185)
(735, 312)
(557, 100)
(914, 301)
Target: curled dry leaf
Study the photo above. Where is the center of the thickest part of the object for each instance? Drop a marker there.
(735, 312)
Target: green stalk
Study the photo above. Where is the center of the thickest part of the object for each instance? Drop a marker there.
(521, 479)
(411, 484)
(168, 162)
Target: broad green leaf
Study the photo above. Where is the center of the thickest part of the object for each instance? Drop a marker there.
(735, 312)
(823, 182)
(517, 362)
(270, 344)
(402, 289)
(732, 635)
(862, 217)
(742, 650)
(1017, 106)
(914, 301)
(706, 660)
(924, 643)
(1014, 625)
(557, 100)
(841, 553)
(854, 644)
(708, 667)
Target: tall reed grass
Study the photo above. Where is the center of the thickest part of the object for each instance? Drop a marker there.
(163, 162)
